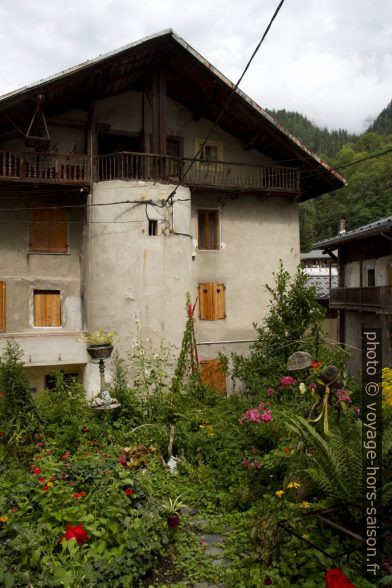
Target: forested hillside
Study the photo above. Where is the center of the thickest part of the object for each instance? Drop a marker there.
(368, 194)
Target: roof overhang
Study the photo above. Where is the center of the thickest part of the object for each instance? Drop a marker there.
(377, 228)
(201, 87)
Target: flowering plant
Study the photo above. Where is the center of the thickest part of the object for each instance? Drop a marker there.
(78, 532)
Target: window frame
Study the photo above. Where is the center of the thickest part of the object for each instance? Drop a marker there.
(204, 164)
(217, 231)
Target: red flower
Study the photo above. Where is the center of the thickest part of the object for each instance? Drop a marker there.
(76, 495)
(334, 578)
(83, 493)
(14, 509)
(286, 449)
(36, 471)
(41, 480)
(66, 455)
(85, 429)
(45, 488)
(316, 365)
(122, 460)
(129, 491)
(77, 532)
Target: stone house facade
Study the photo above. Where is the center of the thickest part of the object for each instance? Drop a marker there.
(107, 219)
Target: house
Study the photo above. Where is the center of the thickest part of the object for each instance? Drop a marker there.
(364, 296)
(322, 271)
(107, 220)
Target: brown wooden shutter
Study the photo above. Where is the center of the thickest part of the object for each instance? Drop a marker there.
(212, 301)
(213, 376)
(48, 230)
(47, 308)
(3, 306)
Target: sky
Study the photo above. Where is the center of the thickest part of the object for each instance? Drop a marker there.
(331, 60)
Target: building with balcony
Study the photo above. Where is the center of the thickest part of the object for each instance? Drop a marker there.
(119, 195)
(364, 295)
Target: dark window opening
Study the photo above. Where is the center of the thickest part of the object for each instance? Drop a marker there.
(174, 146)
(116, 143)
(50, 379)
(208, 225)
(153, 228)
(371, 277)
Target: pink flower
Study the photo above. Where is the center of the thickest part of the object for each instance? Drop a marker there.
(270, 392)
(343, 397)
(312, 386)
(267, 416)
(288, 381)
(245, 463)
(252, 415)
(261, 406)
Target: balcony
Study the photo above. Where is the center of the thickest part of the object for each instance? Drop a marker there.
(82, 169)
(370, 298)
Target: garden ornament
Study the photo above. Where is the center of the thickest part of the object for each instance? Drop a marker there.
(299, 361)
(327, 385)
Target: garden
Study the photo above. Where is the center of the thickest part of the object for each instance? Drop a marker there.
(180, 486)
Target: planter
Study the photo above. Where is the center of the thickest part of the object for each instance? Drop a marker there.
(102, 351)
(173, 520)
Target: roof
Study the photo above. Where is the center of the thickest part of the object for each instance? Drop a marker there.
(205, 92)
(369, 230)
(322, 285)
(316, 254)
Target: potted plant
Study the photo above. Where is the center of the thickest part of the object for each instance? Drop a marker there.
(99, 344)
(172, 509)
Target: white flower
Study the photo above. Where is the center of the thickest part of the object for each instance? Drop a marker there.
(302, 388)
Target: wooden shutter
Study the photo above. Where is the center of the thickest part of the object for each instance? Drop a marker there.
(3, 306)
(48, 230)
(213, 376)
(212, 301)
(47, 308)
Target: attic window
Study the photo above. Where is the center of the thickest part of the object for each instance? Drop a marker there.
(153, 228)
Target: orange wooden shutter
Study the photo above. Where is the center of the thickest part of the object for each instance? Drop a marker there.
(212, 301)
(48, 230)
(47, 308)
(213, 376)
(3, 302)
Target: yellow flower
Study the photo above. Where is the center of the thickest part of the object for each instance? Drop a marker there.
(279, 493)
(305, 536)
(305, 504)
(302, 388)
(3, 519)
(293, 485)
(50, 484)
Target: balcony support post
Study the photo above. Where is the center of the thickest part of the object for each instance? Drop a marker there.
(158, 87)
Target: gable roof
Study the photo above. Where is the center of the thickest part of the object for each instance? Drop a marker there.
(363, 232)
(205, 92)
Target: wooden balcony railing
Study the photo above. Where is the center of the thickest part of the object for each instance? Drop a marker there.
(71, 169)
(369, 298)
(44, 167)
(217, 174)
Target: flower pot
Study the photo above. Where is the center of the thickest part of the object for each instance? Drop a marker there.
(173, 520)
(102, 351)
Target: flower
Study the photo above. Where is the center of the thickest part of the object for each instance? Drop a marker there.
(335, 578)
(50, 484)
(41, 480)
(40, 444)
(343, 396)
(279, 493)
(305, 504)
(302, 388)
(286, 449)
(129, 492)
(254, 450)
(270, 392)
(267, 416)
(66, 455)
(53, 478)
(316, 365)
(76, 495)
(45, 488)
(245, 463)
(288, 381)
(252, 415)
(293, 485)
(77, 532)
(356, 410)
(36, 471)
(83, 493)
(14, 509)
(3, 519)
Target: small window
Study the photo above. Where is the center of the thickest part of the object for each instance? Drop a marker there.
(3, 302)
(47, 308)
(212, 302)
(210, 154)
(208, 229)
(371, 277)
(212, 375)
(48, 230)
(174, 146)
(153, 228)
(50, 380)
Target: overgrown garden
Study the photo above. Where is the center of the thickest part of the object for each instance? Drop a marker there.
(88, 498)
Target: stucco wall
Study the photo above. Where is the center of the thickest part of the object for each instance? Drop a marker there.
(380, 265)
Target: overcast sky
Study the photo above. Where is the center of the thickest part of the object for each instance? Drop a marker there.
(328, 59)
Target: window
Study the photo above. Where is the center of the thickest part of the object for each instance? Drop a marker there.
(211, 302)
(47, 308)
(210, 152)
(174, 146)
(48, 230)
(2, 307)
(208, 229)
(153, 228)
(213, 375)
(50, 379)
(371, 277)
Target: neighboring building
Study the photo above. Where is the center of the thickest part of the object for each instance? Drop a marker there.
(104, 223)
(364, 296)
(322, 270)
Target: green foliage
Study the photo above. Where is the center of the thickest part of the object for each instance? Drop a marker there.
(18, 415)
(186, 364)
(293, 323)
